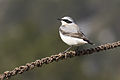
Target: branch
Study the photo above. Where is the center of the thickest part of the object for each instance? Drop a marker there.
(60, 56)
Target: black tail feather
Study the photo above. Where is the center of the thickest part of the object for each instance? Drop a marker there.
(89, 41)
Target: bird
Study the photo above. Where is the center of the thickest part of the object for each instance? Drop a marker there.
(70, 33)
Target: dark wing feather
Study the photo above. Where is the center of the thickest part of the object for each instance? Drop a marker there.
(76, 35)
(81, 36)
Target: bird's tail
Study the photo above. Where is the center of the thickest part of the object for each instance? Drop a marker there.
(89, 41)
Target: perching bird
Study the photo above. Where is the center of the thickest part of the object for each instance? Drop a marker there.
(70, 33)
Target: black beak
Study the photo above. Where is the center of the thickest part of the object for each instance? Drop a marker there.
(59, 19)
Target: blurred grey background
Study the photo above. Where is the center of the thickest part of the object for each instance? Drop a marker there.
(29, 31)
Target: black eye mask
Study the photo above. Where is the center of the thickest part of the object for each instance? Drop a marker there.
(67, 21)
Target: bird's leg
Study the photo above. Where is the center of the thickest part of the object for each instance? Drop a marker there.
(67, 49)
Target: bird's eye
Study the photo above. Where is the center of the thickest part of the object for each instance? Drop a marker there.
(67, 21)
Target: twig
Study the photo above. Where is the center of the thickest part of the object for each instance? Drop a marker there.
(60, 56)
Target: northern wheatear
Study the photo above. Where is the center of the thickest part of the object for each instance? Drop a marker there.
(70, 33)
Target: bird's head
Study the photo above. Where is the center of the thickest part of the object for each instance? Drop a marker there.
(66, 20)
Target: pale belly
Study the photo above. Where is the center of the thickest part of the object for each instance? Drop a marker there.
(72, 41)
